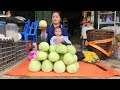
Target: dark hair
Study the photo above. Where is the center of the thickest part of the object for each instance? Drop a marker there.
(57, 28)
(56, 12)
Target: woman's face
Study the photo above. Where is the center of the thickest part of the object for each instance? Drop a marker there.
(56, 18)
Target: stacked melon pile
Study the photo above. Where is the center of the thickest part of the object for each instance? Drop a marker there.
(57, 58)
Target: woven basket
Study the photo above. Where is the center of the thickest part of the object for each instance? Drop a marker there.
(100, 34)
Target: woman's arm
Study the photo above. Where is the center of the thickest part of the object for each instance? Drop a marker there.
(43, 34)
(65, 34)
(66, 40)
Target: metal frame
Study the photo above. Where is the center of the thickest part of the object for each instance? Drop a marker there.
(101, 23)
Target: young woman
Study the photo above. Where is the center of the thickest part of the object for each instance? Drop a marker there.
(48, 32)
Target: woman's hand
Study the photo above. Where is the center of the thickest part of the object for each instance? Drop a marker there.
(43, 29)
(59, 40)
